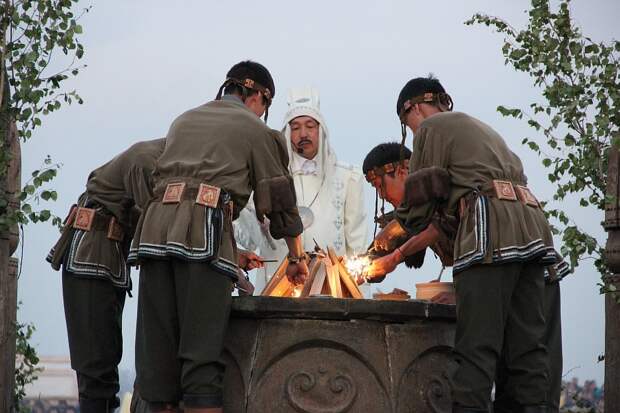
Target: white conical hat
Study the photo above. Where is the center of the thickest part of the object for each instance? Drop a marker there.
(304, 101)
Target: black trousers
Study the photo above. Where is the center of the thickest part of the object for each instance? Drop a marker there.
(93, 312)
(553, 340)
(183, 312)
(500, 308)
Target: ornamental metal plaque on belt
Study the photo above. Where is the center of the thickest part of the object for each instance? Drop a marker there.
(208, 195)
(84, 218)
(70, 216)
(526, 196)
(504, 190)
(115, 231)
(173, 193)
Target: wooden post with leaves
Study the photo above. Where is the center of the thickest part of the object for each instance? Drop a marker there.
(36, 37)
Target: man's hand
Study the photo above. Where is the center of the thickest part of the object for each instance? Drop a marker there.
(297, 273)
(249, 261)
(380, 267)
(444, 298)
(244, 286)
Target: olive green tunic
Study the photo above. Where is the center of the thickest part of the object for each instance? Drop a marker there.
(223, 144)
(491, 230)
(120, 188)
(126, 180)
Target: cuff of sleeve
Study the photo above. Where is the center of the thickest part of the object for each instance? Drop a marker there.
(285, 224)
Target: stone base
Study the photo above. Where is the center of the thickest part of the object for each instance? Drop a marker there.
(325, 355)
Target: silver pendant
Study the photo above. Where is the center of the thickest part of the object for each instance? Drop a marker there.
(307, 216)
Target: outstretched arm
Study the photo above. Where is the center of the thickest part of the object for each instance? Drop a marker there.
(385, 265)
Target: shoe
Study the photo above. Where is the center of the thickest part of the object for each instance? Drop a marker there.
(162, 408)
(98, 405)
(534, 409)
(460, 409)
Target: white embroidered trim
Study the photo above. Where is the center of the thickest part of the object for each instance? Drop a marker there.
(208, 252)
(93, 269)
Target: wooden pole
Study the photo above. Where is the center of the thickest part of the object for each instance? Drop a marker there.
(10, 187)
(8, 308)
(612, 349)
(612, 308)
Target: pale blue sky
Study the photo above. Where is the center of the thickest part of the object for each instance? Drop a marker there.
(148, 61)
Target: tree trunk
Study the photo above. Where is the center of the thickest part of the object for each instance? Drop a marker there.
(612, 308)
(8, 307)
(612, 349)
(10, 187)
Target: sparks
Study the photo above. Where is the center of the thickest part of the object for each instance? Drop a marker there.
(357, 264)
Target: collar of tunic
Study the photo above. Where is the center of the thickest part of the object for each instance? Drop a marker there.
(303, 166)
(233, 98)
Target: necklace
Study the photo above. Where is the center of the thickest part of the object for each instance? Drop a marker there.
(305, 212)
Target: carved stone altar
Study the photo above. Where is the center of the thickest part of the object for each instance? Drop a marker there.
(327, 355)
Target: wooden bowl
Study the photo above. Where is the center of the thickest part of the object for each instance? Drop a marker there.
(426, 291)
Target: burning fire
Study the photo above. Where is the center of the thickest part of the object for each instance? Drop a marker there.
(356, 265)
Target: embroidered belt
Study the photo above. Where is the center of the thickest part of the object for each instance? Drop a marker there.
(502, 190)
(506, 190)
(205, 195)
(89, 219)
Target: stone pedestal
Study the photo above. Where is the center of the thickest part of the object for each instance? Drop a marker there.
(326, 355)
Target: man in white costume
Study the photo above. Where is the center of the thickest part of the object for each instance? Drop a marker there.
(330, 194)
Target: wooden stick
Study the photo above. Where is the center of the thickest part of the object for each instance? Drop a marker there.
(333, 279)
(319, 280)
(349, 283)
(276, 278)
(313, 267)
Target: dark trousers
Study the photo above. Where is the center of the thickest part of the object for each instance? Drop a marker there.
(93, 312)
(183, 312)
(553, 340)
(500, 308)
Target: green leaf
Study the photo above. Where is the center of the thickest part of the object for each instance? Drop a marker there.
(45, 215)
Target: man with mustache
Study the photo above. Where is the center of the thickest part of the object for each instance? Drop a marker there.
(329, 192)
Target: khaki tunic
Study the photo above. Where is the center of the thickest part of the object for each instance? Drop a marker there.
(491, 230)
(223, 144)
(121, 188)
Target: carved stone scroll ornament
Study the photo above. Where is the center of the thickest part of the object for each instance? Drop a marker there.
(428, 387)
(321, 392)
